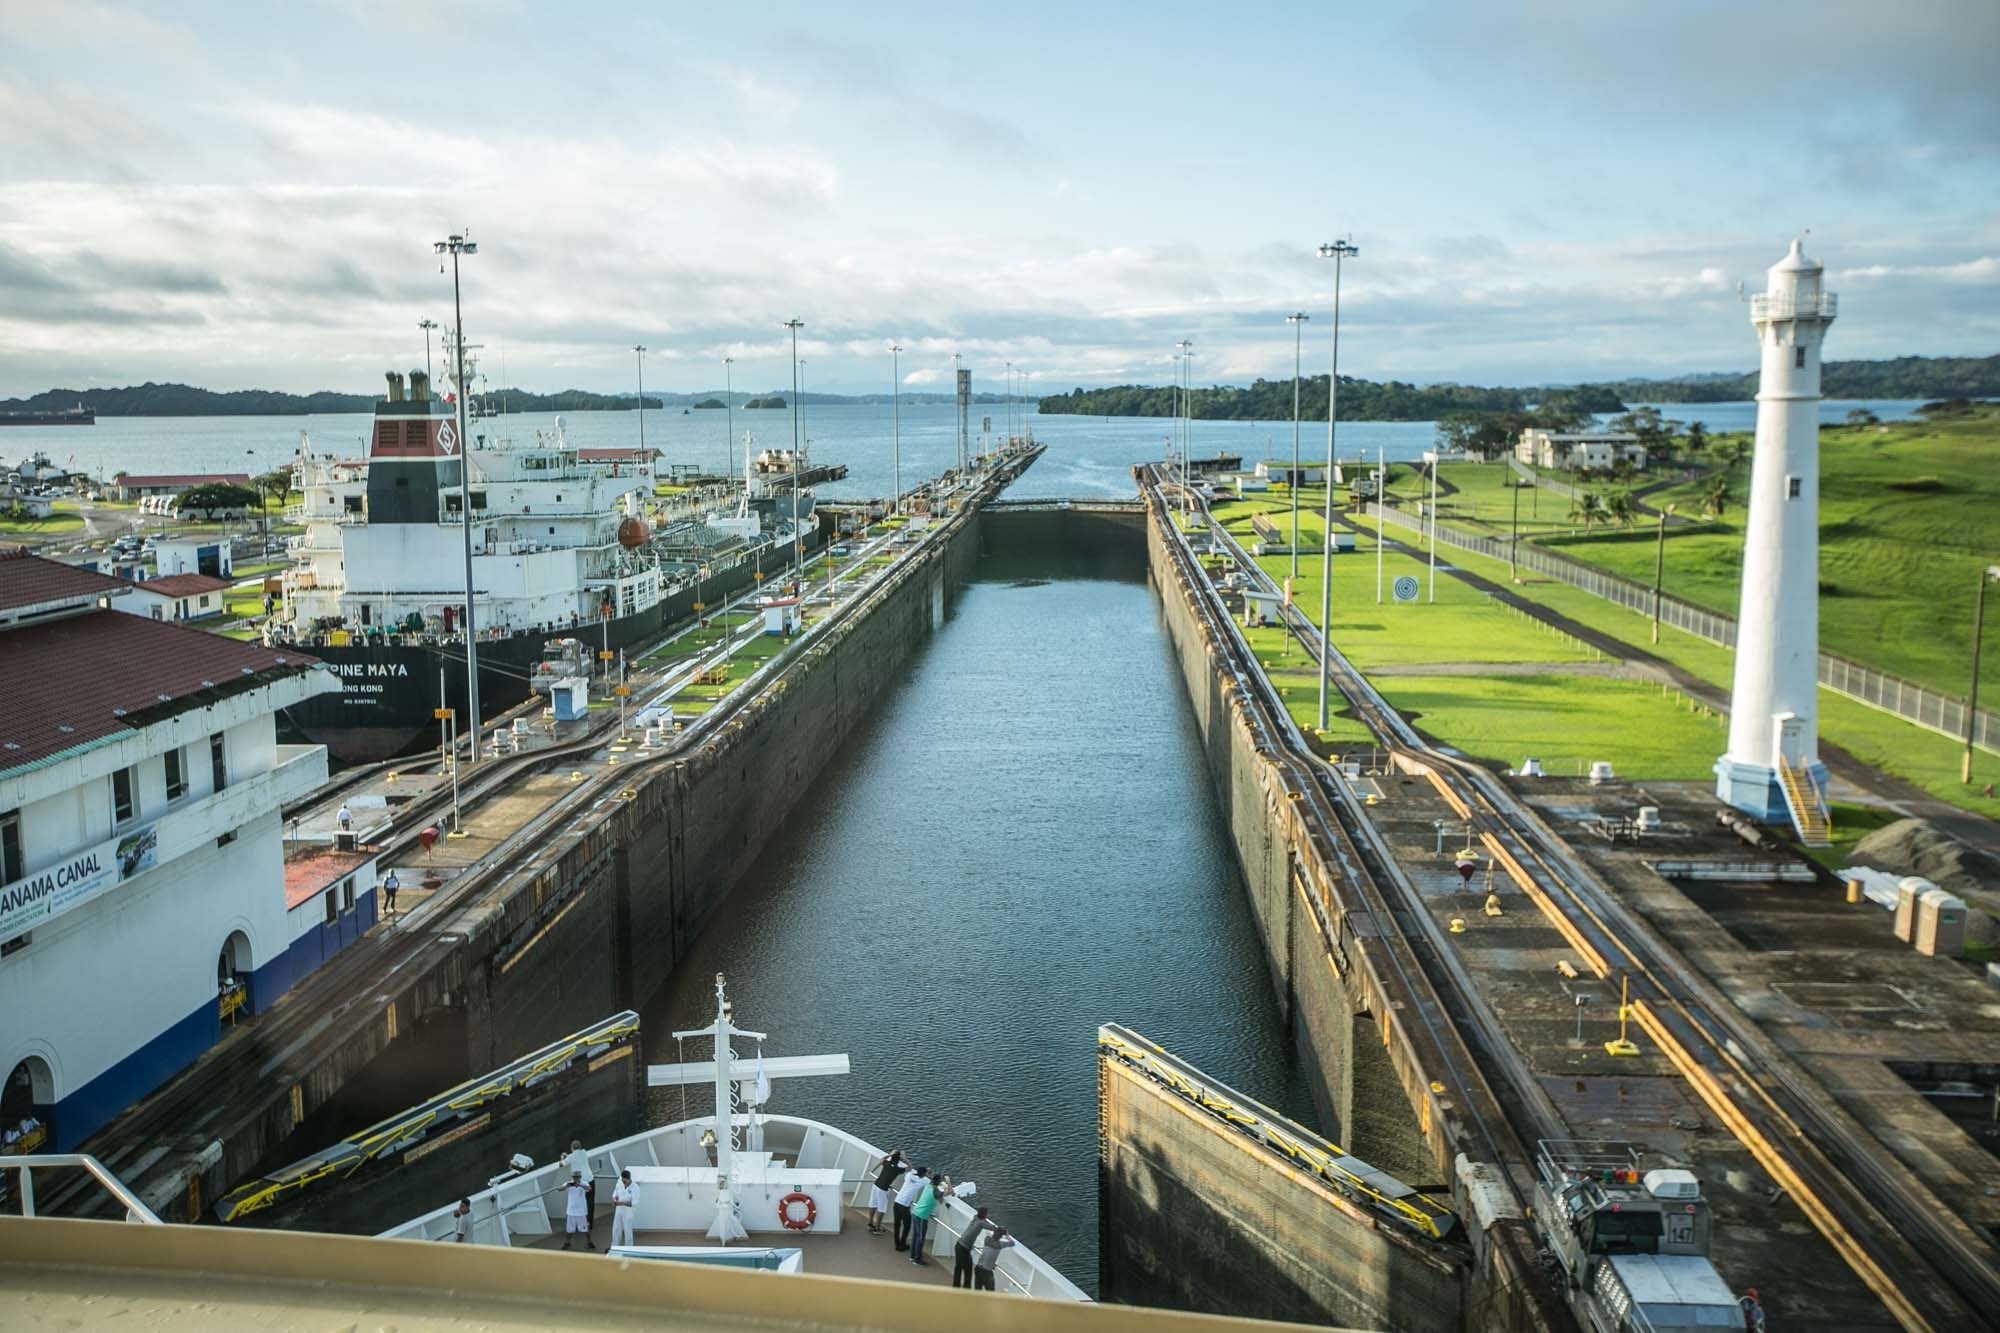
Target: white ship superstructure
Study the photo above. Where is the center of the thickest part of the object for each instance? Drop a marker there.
(555, 543)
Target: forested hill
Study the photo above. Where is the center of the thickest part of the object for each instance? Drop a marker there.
(1271, 400)
(184, 400)
(1903, 377)
(1365, 400)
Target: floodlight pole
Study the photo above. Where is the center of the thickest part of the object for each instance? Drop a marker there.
(1337, 251)
(457, 245)
(896, 408)
(798, 545)
(1298, 323)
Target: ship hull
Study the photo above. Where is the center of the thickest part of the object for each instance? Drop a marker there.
(390, 691)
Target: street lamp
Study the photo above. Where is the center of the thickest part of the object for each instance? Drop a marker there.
(1337, 251)
(896, 408)
(427, 325)
(1986, 576)
(456, 245)
(798, 549)
(1659, 561)
(1298, 323)
(728, 418)
(640, 348)
(1186, 423)
(1008, 415)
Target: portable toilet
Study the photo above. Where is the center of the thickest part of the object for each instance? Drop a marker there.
(1940, 924)
(570, 696)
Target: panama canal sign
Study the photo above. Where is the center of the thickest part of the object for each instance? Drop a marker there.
(74, 881)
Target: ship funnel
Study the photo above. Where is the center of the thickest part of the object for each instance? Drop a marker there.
(420, 387)
(395, 379)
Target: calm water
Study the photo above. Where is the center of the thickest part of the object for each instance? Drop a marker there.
(1087, 455)
(1019, 845)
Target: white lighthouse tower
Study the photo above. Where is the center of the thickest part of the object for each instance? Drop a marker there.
(1772, 770)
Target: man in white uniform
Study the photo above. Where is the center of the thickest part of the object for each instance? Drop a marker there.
(624, 1199)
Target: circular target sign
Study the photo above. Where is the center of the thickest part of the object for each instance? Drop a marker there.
(447, 438)
(1405, 587)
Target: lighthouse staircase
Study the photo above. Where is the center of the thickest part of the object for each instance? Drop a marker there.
(1806, 801)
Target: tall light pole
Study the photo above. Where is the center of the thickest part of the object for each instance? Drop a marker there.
(1659, 562)
(456, 245)
(896, 409)
(955, 358)
(728, 417)
(1007, 412)
(1986, 576)
(1337, 251)
(798, 548)
(427, 325)
(1187, 413)
(640, 348)
(1298, 323)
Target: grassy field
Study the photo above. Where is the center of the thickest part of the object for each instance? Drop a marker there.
(38, 529)
(1484, 501)
(1909, 515)
(1921, 757)
(1565, 721)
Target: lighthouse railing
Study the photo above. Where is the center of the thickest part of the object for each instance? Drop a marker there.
(1813, 305)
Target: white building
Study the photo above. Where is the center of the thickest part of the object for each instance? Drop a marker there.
(1583, 450)
(1774, 699)
(142, 876)
(133, 486)
(176, 597)
(213, 556)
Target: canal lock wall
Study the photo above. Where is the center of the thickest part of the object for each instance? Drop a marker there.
(597, 918)
(1193, 1216)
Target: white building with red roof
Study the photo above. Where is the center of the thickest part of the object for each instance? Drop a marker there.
(142, 871)
(175, 597)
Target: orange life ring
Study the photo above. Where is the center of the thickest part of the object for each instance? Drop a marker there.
(788, 1220)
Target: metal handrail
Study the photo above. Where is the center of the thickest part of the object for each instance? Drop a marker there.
(1824, 305)
(24, 1166)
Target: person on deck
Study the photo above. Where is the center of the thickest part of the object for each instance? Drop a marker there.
(989, 1255)
(461, 1222)
(624, 1200)
(968, 1240)
(936, 1188)
(578, 1163)
(913, 1185)
(878, 1196)
(576, 1211)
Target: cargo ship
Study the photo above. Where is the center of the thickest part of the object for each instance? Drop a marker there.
(67, 416)
(563, 547)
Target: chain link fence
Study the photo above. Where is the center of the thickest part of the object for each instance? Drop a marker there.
(1926, 707)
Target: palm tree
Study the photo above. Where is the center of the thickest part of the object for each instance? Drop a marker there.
(1589, 508)
(1621, 508)
(1715, 495)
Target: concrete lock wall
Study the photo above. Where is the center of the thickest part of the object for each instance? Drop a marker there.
(602, 926)
(1329, 1006)
(1208, 1220)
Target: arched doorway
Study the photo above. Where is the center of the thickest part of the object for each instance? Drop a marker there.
(27, 1106)
(233, 970)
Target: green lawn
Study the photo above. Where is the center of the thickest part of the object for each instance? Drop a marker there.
(1909, 515)
(38, 529)
(1484, 501)
(1921, 757)
(745, 660)
(1567, 722)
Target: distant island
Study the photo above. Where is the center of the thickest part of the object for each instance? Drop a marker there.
(710, 403)
(184, 400)
(773, 401)
(1392, 400)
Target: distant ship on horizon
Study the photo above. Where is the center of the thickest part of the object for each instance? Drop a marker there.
(65, 416)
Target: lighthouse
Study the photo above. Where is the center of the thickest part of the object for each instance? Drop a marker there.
(1772, 769)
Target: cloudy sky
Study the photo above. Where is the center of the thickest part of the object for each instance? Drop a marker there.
(243, 195)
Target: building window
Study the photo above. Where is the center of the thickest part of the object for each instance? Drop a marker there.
(1798, 358)
(124, 796)
(347, 894)
(332, 910)
(177, 778)
(218, 763)
(18, 943)
(12, 864)
(226, 838)
(1791, 488)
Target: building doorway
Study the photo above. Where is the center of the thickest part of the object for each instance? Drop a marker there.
(233, 972)
(27, 1108)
